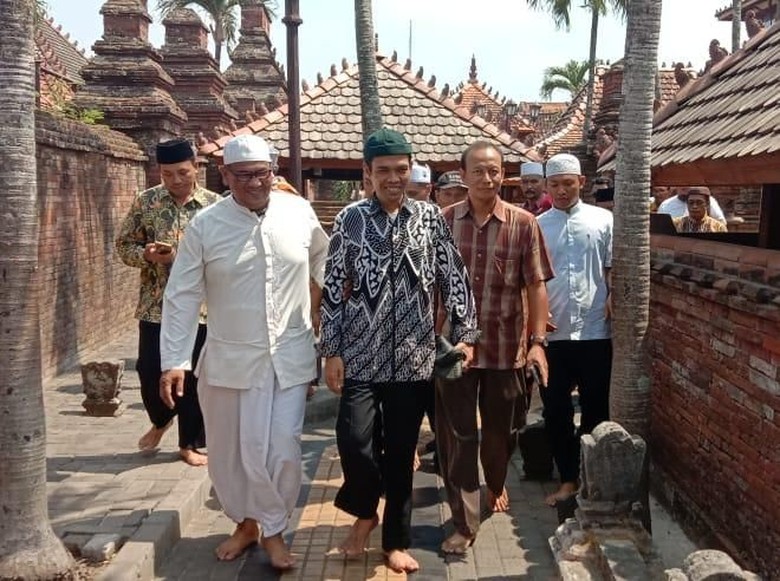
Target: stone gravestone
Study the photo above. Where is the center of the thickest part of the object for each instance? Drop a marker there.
(606, 540)
(102, 382)
(611, 461)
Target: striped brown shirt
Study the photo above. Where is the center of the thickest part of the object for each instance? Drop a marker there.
(502, 257)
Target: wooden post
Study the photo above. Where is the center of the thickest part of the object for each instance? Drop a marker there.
(293, 20)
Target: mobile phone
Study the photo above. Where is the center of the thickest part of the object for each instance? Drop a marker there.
(537, 375)
(163, 248)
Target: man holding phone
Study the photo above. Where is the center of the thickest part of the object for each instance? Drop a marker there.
(148, 240)
(508, 265)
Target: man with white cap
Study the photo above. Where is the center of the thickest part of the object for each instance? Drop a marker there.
(419, 187)
(579, 351)
(532, 186)
(251, 256)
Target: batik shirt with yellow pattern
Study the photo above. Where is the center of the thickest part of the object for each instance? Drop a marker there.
(156, 217)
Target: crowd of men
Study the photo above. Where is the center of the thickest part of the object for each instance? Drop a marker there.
(438, 298)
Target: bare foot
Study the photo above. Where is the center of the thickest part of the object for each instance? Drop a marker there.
(498, 503)
(354, 546)
(245, 535)
(564, 492)
(151, 439)
(193, 457)
(280, 555)
(457, 544)
(416, 463)
(401, 562)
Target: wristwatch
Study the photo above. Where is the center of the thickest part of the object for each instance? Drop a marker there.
(535, 340)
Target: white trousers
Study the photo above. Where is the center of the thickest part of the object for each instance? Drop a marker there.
(254, 445)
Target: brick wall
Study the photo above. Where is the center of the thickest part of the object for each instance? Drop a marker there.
(715, 316)
(87, 177)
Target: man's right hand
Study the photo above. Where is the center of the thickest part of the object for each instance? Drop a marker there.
(171, 381)
(152, 255)
(334, 374)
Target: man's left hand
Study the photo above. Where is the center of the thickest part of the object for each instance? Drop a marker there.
(468, 351)
(608, 307)
(537, 357)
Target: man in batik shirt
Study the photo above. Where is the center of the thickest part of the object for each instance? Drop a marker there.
(148, 240)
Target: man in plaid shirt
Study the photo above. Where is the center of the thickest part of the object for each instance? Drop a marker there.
(508, 265)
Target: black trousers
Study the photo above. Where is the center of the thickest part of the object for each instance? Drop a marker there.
(587, 365)
(376, 433)
(191, 432)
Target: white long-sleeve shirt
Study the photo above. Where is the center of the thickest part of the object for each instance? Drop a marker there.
(675, 207)
(580, 244)
(253, 273)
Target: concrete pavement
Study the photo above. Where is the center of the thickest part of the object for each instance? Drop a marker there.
(161, 514)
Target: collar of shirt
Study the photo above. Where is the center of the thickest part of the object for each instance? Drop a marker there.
(499, 210)
(571, 211)
(198, 195)
(254, 213)
(376, 207)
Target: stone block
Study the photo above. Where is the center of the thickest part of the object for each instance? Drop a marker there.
(75, 542)
(709, 565)
(101, 547)
(102, 383)
(624, 561)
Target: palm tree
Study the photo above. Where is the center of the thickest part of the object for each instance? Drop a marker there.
(571, 77)
(370, 105)
(630, 385)
(736, 25)
(560, 10)
(223, 15)
(29, 549)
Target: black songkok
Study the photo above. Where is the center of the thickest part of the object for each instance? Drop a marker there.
(174, 151)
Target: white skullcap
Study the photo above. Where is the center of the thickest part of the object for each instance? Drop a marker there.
(247, 148)
(421, 174)
(532, 168)
(563, 163)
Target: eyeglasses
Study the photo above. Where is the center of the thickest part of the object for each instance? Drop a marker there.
(244, 177)
(696, 203)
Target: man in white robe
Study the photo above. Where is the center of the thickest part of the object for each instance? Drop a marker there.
(251, 258)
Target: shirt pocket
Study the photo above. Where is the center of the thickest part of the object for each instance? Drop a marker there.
(507, 272)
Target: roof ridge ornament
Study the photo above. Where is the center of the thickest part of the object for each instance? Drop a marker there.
(473, 70)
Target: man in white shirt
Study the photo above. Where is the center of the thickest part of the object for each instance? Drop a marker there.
(251, 257)
(579, 353)
(677, 207)
(419, 187)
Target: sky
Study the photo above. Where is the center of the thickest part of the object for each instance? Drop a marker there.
(512, 44)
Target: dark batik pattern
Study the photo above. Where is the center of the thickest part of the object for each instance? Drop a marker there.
(377, 305)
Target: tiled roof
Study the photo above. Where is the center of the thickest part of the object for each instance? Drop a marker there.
(57, 53)
(438, 128)
(547, 115)
(725, 13)
(475, 98)
(733, 111)
(567, 131)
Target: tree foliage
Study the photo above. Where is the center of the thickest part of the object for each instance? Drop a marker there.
(571, 77)
(560, 10)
